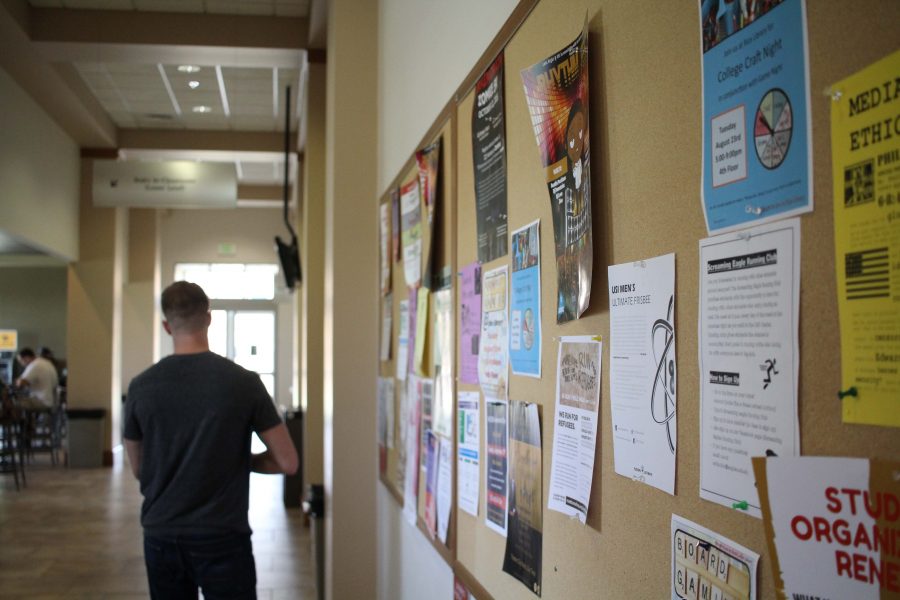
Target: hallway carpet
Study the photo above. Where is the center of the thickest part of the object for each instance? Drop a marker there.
(74, 533)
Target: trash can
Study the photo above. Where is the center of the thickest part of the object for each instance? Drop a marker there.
(86, 437)
(314, 506)
(293, 484)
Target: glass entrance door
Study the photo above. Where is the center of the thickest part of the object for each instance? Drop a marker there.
(248, 338)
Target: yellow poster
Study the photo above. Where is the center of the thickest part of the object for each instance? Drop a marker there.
(421, 358)
(9, 339)
(865, 148)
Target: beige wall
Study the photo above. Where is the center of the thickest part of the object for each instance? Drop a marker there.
(33, 301)
(413, 86)
(350, 311)
(94, 377)
(194, 236)
(139, 314)
(39, 171)
(312, 257)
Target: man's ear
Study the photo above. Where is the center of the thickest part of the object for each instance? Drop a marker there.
(208, 318)
(167, 327)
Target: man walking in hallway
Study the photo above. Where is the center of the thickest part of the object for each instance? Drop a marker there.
(188, 423)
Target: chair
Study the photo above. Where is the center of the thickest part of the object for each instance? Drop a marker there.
(12, 448)
(43, 432)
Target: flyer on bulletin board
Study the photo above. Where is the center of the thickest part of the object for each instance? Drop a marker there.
(431, 475)
(411, 450)
(556, 90)
(443, 362)
(468, 452)
(384, 253)
(395, 224)
(749, 314)
(411, 233)
(402, 359)
(525, 302)
(865, 151)
(707, 566)
(578, 376)
(428, 161)
(469, 322)
(524, 539)
(642, 370)
(757, 133)
(832, 526)
(489, 156)
(493, 353)
(496, 438)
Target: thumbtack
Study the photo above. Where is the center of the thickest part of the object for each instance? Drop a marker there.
(599, 338)
(850, 392)
(741, 505)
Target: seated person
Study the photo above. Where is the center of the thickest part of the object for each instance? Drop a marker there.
(39, 377)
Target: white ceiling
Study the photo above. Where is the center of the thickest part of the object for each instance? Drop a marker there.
(155, 96)
(137, 92)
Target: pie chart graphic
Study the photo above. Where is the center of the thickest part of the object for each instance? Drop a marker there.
(773, 128)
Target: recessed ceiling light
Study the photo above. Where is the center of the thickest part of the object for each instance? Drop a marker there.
(193, 84)
(188, 68)
(202, 109)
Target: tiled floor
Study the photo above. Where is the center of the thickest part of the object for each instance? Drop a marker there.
(74, 533)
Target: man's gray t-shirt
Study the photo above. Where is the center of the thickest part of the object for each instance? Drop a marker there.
(193, 414)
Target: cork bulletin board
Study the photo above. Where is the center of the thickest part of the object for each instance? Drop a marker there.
(646, 135)
(441, 239)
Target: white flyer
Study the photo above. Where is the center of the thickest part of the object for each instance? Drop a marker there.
(707, 565)
(411, 232)
(467, 453)
(387, 317)
(411, 482)
(442, 354)
(444, 487)
(578, 372)
(749, 314)
(386, 411)
(402, 359)
(493, 350)
(642, 370)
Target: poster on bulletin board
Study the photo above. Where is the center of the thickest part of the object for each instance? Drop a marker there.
(757, 133)
(556, 90)
(865, 109)
(832, 526)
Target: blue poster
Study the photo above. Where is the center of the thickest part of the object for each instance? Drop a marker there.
(757, 162)
(525, 304)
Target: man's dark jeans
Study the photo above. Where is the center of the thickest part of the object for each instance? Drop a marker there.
(222, 566)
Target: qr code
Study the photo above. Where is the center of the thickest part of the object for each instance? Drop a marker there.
(859, 184)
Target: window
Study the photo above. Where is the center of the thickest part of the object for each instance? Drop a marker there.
(231, 281)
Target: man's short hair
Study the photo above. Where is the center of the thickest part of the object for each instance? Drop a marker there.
(185, 306)
(26, 353)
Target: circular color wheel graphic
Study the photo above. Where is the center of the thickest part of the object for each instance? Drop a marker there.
(773, 127)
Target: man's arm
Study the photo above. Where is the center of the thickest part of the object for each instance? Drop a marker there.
(280, 455)
(133, 449)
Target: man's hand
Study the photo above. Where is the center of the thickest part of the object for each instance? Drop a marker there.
(280, 456)
(133, 449)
